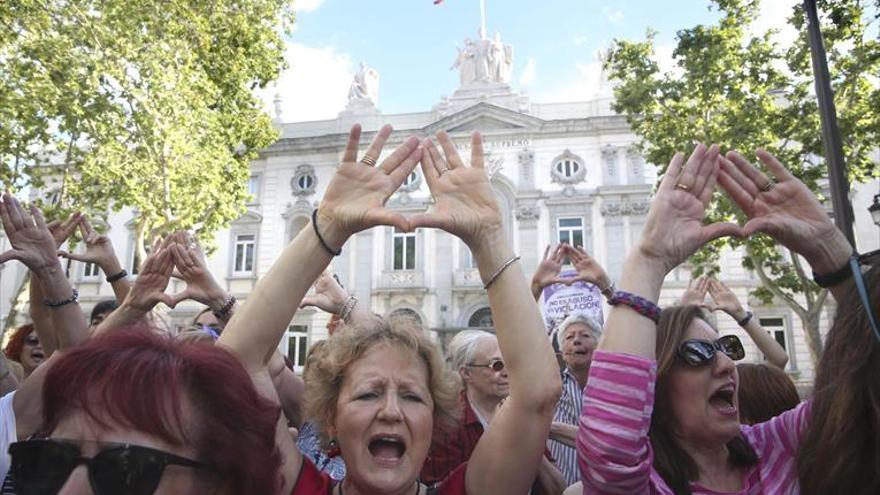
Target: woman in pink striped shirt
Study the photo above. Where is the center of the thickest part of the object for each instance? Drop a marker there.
(689, 441)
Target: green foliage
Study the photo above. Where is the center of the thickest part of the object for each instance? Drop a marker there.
(144, 104)
(743, 91)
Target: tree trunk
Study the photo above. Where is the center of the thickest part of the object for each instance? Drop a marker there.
(809, 315)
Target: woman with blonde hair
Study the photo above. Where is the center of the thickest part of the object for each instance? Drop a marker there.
(378, 389)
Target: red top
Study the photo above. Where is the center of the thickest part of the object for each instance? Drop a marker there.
(314, 482)
(451, 445)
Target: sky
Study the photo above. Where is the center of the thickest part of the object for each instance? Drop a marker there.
(411, 43)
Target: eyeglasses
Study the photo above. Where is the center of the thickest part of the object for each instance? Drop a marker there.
(855, 265)
(32, 340)
(495, 365)
(42, 466)
(702, 352)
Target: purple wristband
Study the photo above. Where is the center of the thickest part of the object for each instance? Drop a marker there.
(638, 304)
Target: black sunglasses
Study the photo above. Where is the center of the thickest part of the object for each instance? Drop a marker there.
(42, 466)
(494, 365)
(702, 352)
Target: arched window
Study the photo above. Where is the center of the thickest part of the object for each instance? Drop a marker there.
(405, 314)
(482, 318)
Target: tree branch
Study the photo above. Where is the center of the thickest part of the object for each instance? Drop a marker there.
(772, 287)
(805, 281)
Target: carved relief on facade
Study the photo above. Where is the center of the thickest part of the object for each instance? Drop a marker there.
(609, 163)
(526, 160)
(304, 181)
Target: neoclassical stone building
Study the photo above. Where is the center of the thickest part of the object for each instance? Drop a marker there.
(562, 172)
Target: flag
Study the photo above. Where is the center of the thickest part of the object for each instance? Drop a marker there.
(438, 2)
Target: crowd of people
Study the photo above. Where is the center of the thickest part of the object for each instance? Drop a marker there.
(650, 402)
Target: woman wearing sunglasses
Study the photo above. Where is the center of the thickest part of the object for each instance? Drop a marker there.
(377, 389)
(132, 412)
(660, 411)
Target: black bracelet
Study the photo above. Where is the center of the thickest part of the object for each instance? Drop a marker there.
(834, 278)
(57, 304)
(117, 276)
(746, 319)
(320, 238)
(224, 310)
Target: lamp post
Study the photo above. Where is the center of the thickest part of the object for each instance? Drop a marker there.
(874, 210)
(843, 214)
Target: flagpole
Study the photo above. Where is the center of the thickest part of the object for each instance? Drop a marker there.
(483, 17)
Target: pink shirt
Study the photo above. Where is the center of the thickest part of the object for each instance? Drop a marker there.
(614, 454)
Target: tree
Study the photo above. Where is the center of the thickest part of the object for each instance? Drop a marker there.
(146, 104)
(742, 90)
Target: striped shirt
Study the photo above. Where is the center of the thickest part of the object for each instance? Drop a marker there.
(614, 454)
(568, 411)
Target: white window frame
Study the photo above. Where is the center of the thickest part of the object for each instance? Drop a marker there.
(240, 269)
(90, 271)
(404, 237)
(296, 346)
(777, 331)
(570, 231)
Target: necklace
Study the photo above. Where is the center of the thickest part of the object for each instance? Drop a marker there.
(338, 489)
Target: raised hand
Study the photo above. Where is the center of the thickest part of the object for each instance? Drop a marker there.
(674, 227)
(152, 280)
(464, 204)
(355, 199)
(548, 269)
(725, 300)
(31, 241)
(329, 296)
(61, 230)
(99, 249)
(786, 210)
(696, 292)
(201, 285)
(588, 269)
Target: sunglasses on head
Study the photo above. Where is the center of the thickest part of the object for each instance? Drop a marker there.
(696, 352)
(42, 467)
(494, 365)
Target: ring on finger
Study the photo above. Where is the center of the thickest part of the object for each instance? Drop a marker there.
(368, 161)
(768, 186)
(683, 187)
(443, 170)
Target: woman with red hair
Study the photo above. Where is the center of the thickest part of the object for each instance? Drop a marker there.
(132, 411)
(24, 348)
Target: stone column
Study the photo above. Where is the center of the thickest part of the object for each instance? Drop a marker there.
(610, 172)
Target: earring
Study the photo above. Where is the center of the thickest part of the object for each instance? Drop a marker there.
(333, 448)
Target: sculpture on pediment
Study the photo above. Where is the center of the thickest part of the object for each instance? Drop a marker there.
(483, 60)
(365, 85)
(466, 62)
(500, 57)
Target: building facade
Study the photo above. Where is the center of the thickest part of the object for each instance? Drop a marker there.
(562, 172)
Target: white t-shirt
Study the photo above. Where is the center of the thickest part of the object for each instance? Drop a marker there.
(7, 432)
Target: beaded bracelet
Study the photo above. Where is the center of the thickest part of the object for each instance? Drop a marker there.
(746, 319)
(117, 276)
(638, 304)
(223, 311)
(347, 308)
(57, 304)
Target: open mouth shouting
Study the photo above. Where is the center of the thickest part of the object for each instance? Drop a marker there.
(387, 449)
(723, 400)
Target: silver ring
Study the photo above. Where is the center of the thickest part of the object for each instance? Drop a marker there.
(768, 186)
